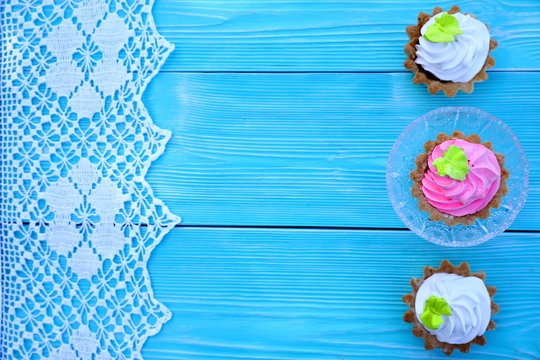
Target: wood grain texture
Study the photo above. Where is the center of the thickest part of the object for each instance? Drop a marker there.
(326, 294)
(326, 35)
(308, 149)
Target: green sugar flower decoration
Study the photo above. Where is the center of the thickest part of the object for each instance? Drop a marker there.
(434, 308)
(443, 29)
(453, 163)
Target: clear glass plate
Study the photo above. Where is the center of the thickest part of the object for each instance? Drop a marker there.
(411, 143)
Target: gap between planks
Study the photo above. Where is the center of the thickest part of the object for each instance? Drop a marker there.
(327, 72)
(360, 228)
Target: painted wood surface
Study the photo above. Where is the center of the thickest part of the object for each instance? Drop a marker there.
(252, 147)
(308, 149)
(326, 294)
(326, 35)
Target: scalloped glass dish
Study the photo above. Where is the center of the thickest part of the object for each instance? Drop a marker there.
(411, 143)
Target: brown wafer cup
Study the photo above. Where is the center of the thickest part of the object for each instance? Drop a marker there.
(422, 166)
(434, 84)
(430, 341)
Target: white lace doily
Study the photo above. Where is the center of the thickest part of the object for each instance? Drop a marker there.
(78, 220)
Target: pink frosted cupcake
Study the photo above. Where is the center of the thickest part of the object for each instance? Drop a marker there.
(458, 179)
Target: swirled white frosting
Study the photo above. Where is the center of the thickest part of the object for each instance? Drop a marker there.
(457, 61)
(469, 301)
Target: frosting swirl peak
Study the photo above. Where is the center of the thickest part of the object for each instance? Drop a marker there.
(469, 302)
(459, 60)
(460, 198)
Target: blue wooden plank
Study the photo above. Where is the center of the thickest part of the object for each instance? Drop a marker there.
(305, 294)
(326, 35)
(308, 149)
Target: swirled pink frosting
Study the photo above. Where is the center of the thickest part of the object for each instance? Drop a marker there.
(466, 197)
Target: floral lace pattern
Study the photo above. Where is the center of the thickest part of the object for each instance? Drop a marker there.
(77, 219)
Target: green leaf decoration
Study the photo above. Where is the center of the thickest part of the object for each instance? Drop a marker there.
(443, 29)
(434, 308)
(453, 163)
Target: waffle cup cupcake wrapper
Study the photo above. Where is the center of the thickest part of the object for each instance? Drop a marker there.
(433, 84)
(422, 165)
(430, 341)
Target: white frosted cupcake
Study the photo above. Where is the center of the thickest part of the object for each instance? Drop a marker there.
(450, 307)
(449, 51)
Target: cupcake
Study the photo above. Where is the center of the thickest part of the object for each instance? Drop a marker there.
(450, 307)
(459, 179)
(449, 51)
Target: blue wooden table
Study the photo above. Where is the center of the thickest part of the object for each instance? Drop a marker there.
(283, 114)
